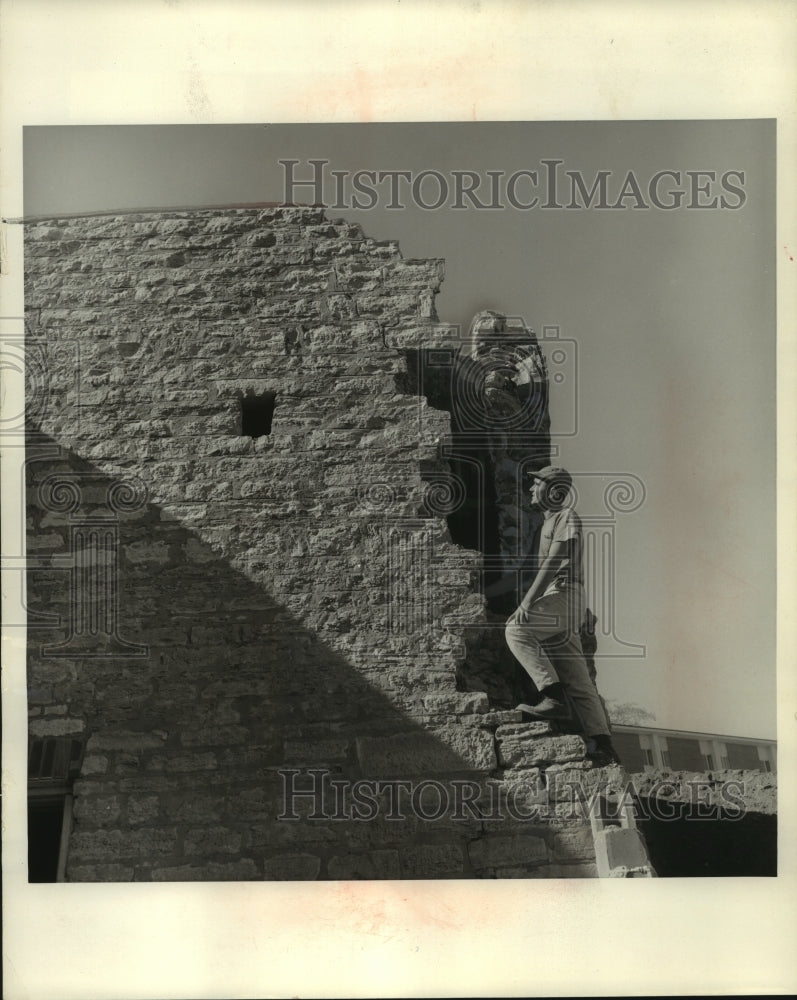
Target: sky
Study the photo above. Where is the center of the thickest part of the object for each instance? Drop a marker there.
(668, 324)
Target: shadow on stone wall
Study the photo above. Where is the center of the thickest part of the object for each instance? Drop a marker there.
(185, 744)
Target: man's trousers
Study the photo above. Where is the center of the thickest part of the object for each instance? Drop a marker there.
(549, 616)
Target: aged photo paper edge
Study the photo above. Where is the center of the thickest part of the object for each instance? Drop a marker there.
(403, 938)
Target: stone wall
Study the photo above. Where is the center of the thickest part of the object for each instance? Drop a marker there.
(233, 612)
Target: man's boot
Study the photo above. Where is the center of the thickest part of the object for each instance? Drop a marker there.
(551, 706)
(600, 750)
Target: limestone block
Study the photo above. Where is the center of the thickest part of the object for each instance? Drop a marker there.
(374, 865)
(113, 845)
(56, 727)
(445, 748)
(250, 804)
(315, 751)
(212, 840)
(184, 762)
(580, 784)
(432, 861)
(97, 810)
(193, 808)
(142, 809)
(531, 748)
(516, 802)
(99, 873)
(292, 867)
(570, 871)
(230, 871)
(455, 703)
(574, 843)
(495, 851)
(94, 764)
(124, 740)
(213, 736)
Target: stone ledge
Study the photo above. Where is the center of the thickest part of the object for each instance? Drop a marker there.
(530, 744)
(495, 718)
(521, 728)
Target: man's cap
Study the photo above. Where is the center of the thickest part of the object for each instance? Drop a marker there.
(553, 474)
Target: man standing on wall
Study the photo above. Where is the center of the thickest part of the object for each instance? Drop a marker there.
(552, 611)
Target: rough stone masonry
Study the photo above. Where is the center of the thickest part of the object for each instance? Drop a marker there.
(238, 589)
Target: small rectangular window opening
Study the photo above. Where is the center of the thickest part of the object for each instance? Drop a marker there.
(257, 410)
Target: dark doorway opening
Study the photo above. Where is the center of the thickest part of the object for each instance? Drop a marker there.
(45, 828)
(682, 845)
(53, 764)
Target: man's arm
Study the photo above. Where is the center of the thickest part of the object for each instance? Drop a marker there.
(547, 571)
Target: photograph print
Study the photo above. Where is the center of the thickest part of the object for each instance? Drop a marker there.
(400, 500)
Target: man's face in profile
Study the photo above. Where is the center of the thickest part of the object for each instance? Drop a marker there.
(536, 491)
